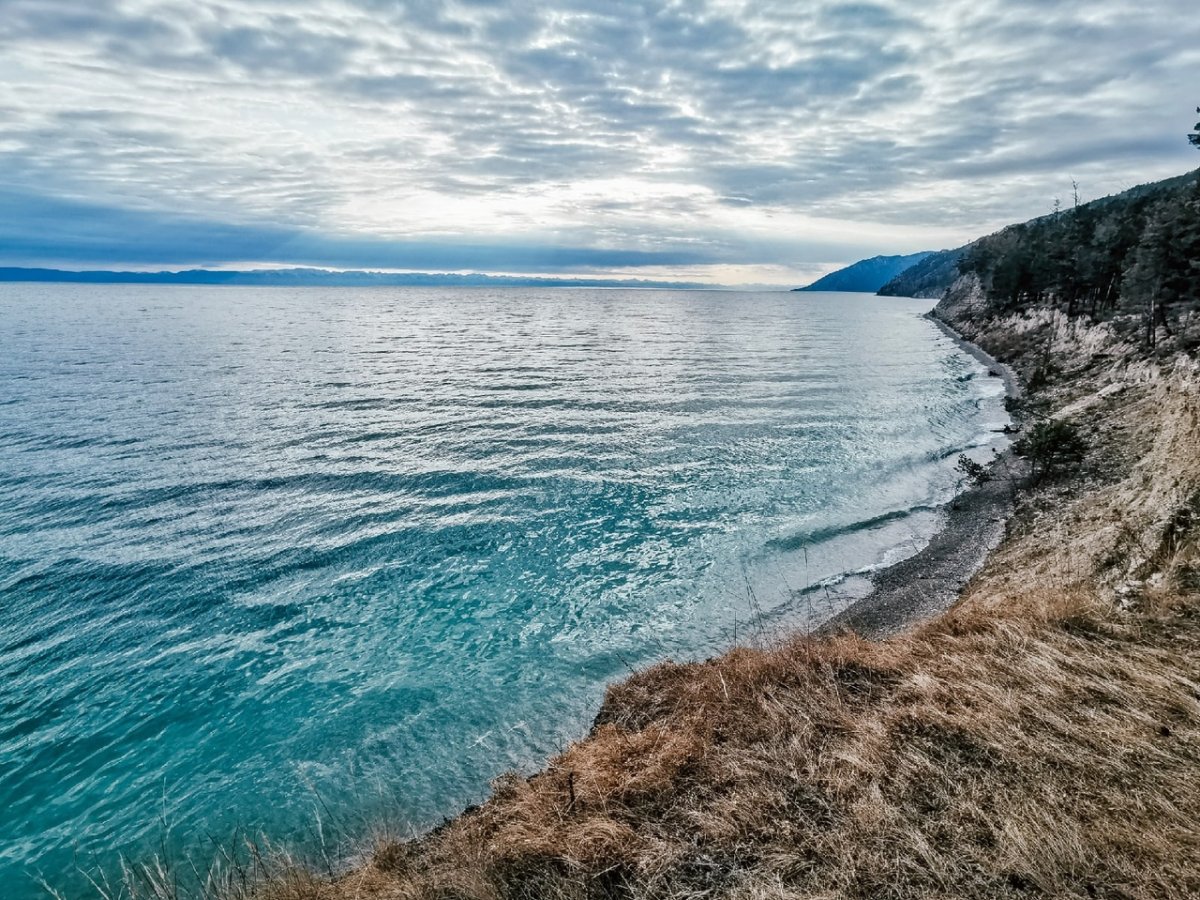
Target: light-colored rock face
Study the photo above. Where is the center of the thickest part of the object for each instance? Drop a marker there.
(1086, 356)
(1111, 527)
(964, 303)
(1140, 410)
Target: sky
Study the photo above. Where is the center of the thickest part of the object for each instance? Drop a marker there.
(720, 141)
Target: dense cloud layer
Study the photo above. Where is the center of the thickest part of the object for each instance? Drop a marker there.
(727, 139)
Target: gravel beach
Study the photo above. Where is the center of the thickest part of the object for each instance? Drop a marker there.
(922, 586)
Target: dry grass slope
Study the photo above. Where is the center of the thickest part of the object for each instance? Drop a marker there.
(1050, 748)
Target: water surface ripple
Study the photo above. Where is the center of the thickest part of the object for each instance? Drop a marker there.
(258, 545)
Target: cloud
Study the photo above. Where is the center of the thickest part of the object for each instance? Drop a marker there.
(624, 126)
(281, 46)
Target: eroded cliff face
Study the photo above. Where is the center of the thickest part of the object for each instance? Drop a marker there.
(1055, 353)
(1131, 515)
(1129, 519)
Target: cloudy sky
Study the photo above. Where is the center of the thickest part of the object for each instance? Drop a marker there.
(728, 141)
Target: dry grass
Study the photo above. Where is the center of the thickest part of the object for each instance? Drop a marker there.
(244, 868)
(1050, 748)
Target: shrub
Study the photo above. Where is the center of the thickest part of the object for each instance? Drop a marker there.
(976, 473)
(1042, 376)
(1054, 448)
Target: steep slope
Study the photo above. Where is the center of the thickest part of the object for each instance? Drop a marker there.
(1137, 250)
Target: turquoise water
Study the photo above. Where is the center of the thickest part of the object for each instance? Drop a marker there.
(274, 555)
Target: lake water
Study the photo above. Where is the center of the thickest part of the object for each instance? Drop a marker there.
(269, 555)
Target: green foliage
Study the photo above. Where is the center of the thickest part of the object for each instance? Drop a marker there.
(1194, 137)
(1055, 448)
(976, 473)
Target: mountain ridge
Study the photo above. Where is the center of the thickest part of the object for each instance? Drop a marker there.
(1022, 247)
(866, 275)
(309, 277)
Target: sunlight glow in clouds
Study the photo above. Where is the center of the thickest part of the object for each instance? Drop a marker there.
(764, 141)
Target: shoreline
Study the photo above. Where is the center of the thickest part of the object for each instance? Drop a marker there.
(958, 758)
(923, 586)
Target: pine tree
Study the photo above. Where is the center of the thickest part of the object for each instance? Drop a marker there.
(1194, 137)
(1185, 275)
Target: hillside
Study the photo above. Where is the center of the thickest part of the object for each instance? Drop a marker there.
(1135, 251)
(867, 275)
(1131, 261)
(928, 278)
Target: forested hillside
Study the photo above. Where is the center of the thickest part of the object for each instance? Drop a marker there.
(866, 275)
(1133, 259)
(928, 278)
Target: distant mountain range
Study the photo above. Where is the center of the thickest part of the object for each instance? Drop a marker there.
(326, 278)
(867, 275)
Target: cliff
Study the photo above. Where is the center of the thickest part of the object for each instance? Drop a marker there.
(1133, 254)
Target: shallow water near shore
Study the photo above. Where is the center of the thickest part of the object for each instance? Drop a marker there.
(274, 555)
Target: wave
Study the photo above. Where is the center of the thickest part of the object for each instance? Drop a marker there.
(829, 532)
